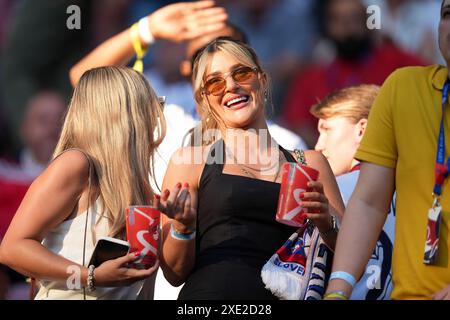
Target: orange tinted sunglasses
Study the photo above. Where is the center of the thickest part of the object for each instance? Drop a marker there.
(216, 85)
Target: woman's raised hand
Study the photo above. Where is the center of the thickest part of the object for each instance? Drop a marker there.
(186, 20)
(177, 205)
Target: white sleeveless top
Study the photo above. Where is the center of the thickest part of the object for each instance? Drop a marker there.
(67, 240)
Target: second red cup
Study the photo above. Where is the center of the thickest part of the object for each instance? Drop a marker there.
(142, 223)
(294, 180)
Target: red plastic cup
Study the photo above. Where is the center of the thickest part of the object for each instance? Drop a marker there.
(294, 180)
(142, 223)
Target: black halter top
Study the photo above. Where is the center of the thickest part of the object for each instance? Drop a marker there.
(236, 233)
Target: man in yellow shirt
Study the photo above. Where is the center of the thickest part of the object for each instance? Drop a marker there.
(399, 152)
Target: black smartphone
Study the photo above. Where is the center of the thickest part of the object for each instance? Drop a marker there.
(108, 248)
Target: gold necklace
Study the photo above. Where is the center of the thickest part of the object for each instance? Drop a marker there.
(248, 173)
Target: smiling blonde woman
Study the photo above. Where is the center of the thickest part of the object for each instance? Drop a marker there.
(219, 226)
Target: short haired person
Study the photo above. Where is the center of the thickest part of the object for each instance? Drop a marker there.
(342, 123)
(404, 150)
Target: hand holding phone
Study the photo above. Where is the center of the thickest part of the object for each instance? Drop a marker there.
(117, 272)
(108, 248)
(113, 260)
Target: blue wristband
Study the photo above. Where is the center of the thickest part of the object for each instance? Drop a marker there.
(181, 236)
(347, 277)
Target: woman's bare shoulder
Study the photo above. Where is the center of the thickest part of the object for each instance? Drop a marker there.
(186, 163)
(190, 156)
(70, 167)
(315, 156)
(314, 159)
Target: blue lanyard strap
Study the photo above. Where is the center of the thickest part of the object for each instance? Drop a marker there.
(441, 169)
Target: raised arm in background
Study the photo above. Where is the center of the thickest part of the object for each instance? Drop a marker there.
(175, 22)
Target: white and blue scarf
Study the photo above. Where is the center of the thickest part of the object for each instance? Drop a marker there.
(300, 269)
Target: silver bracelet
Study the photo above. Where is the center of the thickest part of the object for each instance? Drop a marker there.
(332, 228)
(90, 278)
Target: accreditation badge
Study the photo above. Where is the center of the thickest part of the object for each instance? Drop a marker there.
(433, 229)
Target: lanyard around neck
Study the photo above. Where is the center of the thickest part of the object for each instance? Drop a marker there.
(442, 169)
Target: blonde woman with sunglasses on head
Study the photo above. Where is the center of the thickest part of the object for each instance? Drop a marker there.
(220, 226)
(101, 165)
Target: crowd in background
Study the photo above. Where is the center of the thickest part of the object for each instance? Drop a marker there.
(310, 48)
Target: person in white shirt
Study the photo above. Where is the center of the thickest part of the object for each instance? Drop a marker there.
(342, 122)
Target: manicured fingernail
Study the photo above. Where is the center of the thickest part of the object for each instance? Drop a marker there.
(302, 195)
(178, 185)
(137, 253)
(157, 196)
(186, 185)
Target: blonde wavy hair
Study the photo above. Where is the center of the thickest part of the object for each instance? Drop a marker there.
(245, 55)
(115, 117)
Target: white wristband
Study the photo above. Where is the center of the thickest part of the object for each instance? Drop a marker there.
(144, 31)
(347, 277)
(181, 236)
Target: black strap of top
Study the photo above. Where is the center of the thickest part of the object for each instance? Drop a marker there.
(216, 154)
(287, 155)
